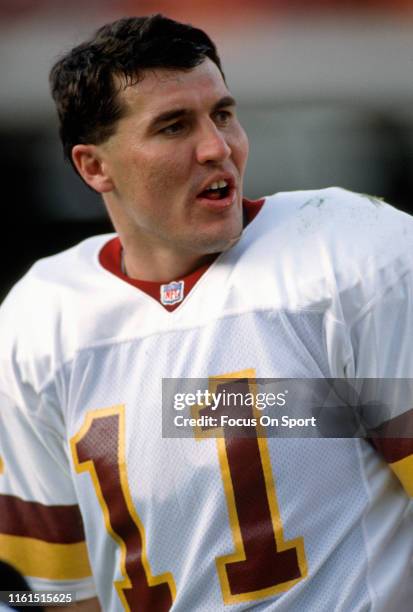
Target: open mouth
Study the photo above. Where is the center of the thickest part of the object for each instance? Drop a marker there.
(216, 191)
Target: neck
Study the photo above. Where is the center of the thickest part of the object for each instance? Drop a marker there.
(160, 266)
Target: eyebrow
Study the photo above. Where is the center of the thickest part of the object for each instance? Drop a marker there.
(180, 112)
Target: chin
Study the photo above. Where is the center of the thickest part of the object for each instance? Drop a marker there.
(216, 245)
(230, 243)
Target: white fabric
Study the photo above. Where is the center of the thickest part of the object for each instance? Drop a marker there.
(320, 285)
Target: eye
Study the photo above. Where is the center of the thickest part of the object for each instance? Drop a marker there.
(223, 117)
(173, 129)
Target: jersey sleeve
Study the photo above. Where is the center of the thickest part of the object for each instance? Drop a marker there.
(41, 529)
(381, 336)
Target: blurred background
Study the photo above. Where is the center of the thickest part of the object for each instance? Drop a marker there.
(324, 87)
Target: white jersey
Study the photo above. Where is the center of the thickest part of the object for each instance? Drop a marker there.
(95, 500)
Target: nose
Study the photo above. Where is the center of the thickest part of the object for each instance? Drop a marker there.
(212, 145)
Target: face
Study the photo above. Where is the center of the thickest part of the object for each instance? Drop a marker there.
(176, 162)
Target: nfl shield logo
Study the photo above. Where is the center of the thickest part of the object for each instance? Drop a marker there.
(172, 293)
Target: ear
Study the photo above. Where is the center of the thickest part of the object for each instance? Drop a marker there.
(89, 164)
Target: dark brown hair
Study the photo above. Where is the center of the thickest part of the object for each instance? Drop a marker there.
(82, 81)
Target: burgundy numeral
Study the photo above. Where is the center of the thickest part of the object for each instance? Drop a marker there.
(99, 448)
(263, 563)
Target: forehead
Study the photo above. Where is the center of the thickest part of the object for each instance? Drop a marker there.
(161, 90)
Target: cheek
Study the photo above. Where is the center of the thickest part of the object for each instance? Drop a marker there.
(167, 172)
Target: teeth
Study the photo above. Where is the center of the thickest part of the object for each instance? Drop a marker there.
(218, 185)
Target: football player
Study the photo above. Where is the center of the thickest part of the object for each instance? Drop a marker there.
(199, 283)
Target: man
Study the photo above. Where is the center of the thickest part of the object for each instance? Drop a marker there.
(198, 283)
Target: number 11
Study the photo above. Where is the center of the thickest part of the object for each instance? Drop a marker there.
(262, 564)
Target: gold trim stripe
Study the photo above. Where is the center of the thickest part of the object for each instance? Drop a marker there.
(404, 472)
(39, 559)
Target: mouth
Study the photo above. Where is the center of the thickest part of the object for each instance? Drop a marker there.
(219, 194)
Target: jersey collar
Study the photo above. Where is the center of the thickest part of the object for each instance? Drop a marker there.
(170, 294)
